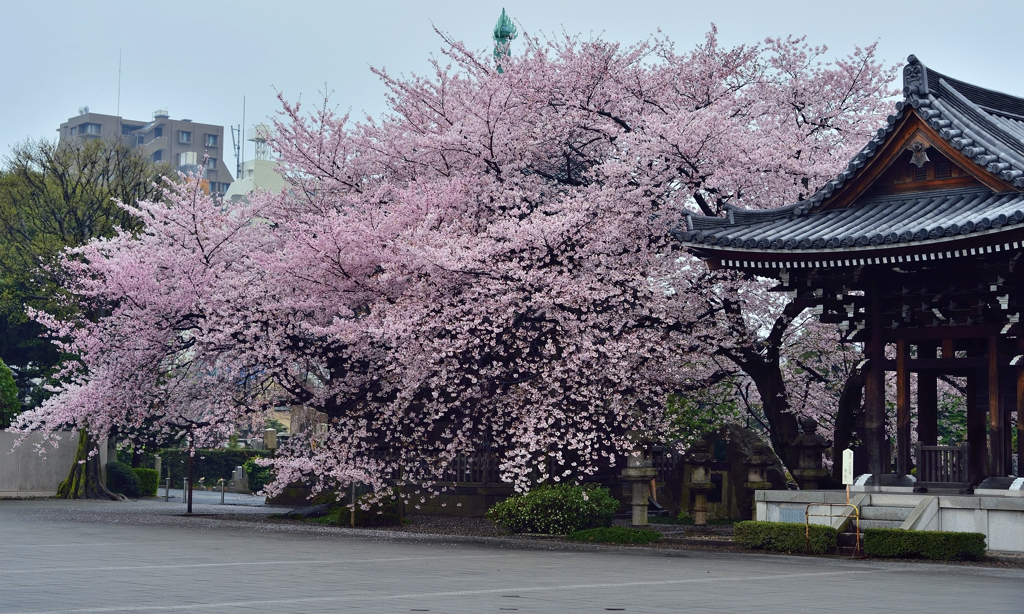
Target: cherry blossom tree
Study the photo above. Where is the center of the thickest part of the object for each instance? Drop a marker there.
(489, 263)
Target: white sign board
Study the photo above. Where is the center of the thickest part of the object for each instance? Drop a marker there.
(847, 466)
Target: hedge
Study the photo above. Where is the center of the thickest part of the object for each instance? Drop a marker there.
(121, 479)
(784, 536)
(209, 464)
(936, 545)
(149, 481)
(615, 535)
(556, 510)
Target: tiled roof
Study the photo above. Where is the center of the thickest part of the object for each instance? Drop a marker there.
(985, 125)
(881, 220)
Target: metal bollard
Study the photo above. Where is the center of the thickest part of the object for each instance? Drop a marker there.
(167, 490)
(184, 490)
(222, 491)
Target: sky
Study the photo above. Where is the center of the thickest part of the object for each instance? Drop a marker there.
(199, 60)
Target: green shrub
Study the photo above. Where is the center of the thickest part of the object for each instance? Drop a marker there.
(258, 476)
(149, 481)
(615, 535)
(684, 517)
(556, 510)
(936, 545)
(121, 479)
(784, 536)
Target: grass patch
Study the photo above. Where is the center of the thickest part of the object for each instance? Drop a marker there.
(615, 535)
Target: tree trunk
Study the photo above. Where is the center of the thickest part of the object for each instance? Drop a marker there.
(782, 422)
(766, 372)
(848, 412)
(83, 481)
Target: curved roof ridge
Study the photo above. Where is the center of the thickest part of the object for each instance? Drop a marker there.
(992, 100)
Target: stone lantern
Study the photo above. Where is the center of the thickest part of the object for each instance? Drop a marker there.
(811, 445)
(757, 469)
(700, 481)
(639, 473)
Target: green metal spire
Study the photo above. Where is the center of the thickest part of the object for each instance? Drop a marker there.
(504, 32)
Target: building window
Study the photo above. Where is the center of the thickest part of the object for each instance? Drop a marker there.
(921, 173)
(74, 130)
(211, 164)
(158, 155)
(942, 170)
(187, 158)
(184, 136)
(224, 187)
(158, 132)
(90, 128)
(211, 140)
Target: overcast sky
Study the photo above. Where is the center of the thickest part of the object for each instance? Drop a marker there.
(199, 59)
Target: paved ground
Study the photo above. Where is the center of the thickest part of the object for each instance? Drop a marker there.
(211, 497)
(58, 556)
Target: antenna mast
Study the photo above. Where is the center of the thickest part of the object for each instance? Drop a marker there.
(238, 143)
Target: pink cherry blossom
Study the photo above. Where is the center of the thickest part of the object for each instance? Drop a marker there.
(488, 263)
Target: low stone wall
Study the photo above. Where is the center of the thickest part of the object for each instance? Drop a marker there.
(999, 518)
(24, 473)
(462, 500)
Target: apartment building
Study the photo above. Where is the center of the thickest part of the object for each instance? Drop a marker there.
(181, 143)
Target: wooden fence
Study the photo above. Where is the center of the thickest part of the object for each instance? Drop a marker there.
(942, 466)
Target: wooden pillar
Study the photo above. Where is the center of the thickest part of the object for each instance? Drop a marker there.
(976, 428)
(902, 408)
(927, 398)
(997, 460)
(874, 391)
(1020, 406)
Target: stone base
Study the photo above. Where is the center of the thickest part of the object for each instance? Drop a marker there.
(1005, 487)
(886, 482)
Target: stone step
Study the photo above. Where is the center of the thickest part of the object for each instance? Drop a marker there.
(895, 500)
(847, 539)
(874, 512)
(879, 524)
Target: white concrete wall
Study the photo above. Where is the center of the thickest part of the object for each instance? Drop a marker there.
(24, 473)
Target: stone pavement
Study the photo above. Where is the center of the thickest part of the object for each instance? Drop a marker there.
(92, 557)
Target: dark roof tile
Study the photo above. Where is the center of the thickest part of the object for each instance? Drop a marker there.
(881, 220)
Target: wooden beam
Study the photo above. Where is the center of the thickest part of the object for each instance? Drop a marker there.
(947, 347)
(941, 332)
(942, 364)
(902, 408)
